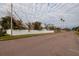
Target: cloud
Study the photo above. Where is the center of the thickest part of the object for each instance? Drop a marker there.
(45, 12)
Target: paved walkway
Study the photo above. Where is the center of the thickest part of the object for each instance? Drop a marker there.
(66, 43)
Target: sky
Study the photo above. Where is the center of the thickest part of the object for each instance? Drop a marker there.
(49, 13)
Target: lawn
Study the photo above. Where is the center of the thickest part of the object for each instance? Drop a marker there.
(8, 37)
(77, 32)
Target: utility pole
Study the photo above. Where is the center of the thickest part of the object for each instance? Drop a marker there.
(11, 18)
(62, 20)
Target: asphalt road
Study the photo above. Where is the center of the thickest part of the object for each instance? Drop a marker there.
(61, 44)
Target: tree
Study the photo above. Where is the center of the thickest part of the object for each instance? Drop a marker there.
(6, 23)
(46, 26)
(19, 25)
(75, 28)
(67, 29)
(50, 27)
(37, 25)
(29, 25)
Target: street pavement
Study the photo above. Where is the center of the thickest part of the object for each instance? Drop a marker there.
(59, 44)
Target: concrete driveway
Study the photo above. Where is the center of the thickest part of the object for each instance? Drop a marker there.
(64, 44)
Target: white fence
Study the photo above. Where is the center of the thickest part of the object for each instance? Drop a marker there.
(22, 32)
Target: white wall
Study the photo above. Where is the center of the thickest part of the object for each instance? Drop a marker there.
(22, 32)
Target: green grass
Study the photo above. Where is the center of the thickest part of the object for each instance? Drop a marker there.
(8, 37)
(77, 32)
